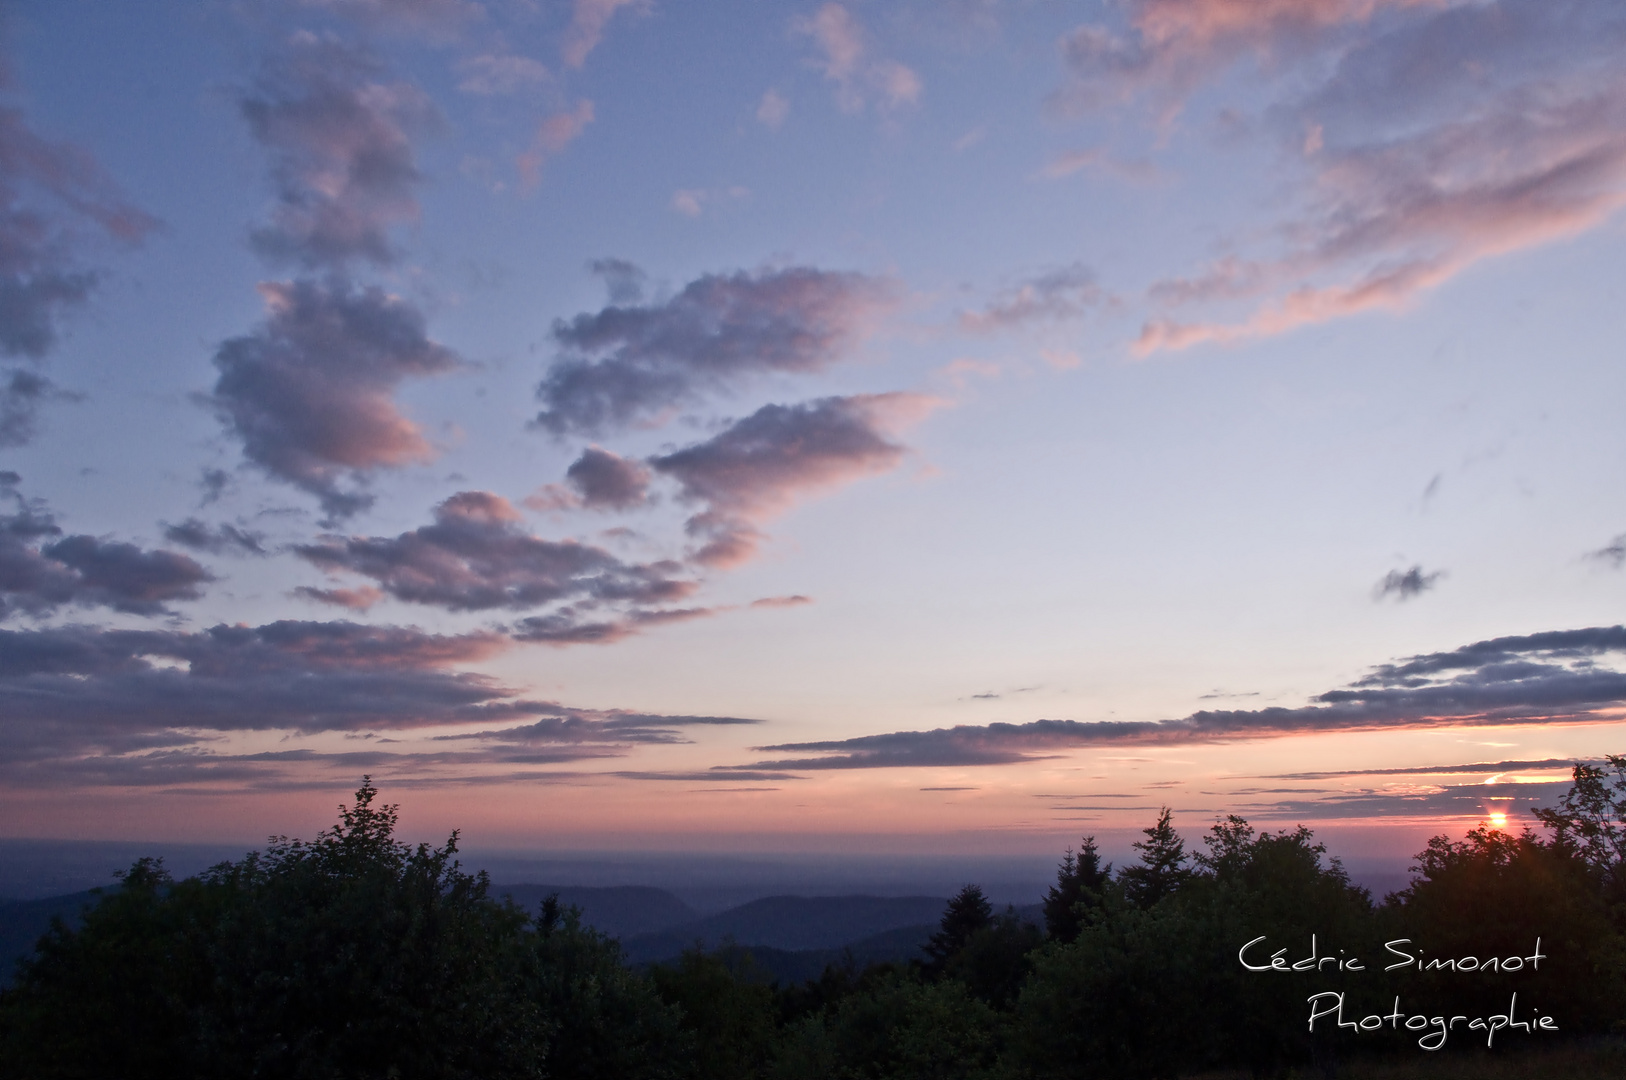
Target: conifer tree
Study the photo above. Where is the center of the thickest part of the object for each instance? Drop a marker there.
(1162, 868)
(967, 913)
(1080, 879)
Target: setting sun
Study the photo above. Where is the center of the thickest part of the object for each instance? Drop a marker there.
(1498, 820)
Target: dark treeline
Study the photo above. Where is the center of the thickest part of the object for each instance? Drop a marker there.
(357, 956)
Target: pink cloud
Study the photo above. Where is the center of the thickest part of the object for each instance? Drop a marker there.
(772, 109)
(500, 73)
(1176, 44)
(587, 24)
(1098, 159)
(352, 599)
(1058, 295)
(761, 465)
(1535, 155)
(844, 61)
(311, 392)
(782, 601)
(553, 134)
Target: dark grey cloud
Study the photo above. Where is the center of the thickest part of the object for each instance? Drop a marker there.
(625, 281)
(1473, 801)
(341, 153)
(136, 708)
(1504, 658)
(43, 569)
(53, 197)
(222, 539)
(213, 483)
(82, 690)
(1480, 767)
(1613, 553)
(1403, 585)
(705, 777)
(634, 362)
(1552, 677)
(598, 480)
(598, 725)
(477, 556)
(605, 481)
(21, 395)
(310, 393)
(581, 626)
(758, 466)
(1054, 296)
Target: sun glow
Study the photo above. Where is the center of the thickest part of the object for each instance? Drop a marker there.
(1498, 819)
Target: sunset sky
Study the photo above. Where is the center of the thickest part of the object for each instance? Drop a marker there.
(958, 425)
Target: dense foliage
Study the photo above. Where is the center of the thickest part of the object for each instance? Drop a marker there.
(354, 955)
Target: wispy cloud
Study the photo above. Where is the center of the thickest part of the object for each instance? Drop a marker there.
(1406, 584)
(692, 202)
(52, 195)
(222, 539)
(1171, 46)
(846, 59)
(1613, 553)
(1507, 136)
(1099, 160)
(21, 395)
(1491, 768)
(587, 22)
(773, 109)
(1554, 677)
(54, 200)
(1057, 295)
(585, 624)
(556, 131)
(497, 74)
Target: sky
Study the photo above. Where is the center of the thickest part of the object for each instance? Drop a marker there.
(942, 427)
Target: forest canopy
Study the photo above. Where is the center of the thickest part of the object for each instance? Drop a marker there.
(357, 955)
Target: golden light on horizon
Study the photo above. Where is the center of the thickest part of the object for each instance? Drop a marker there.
(1498, 819)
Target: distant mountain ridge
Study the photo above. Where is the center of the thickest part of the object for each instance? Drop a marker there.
(655, 925)
(790, 923)
(622, 911)
(790, 938)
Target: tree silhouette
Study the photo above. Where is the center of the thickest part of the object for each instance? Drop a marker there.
(1080, 879)
(1162, 868)
(967, 913)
